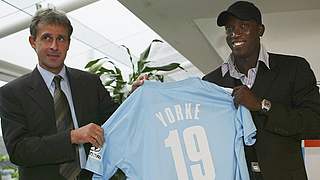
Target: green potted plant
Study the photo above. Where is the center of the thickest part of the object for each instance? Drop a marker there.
(115, 82)
(7, 170)
(113, 78)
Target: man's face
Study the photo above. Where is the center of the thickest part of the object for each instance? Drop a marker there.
(243, 37)
(51, 45)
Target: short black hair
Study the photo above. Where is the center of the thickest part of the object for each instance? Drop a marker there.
(50, 16)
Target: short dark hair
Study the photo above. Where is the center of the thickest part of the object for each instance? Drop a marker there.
(50, 16)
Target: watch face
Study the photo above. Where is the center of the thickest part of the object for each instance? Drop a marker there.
(265, 105)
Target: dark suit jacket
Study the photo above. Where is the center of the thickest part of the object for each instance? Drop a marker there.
(28, 121)
(290, 85)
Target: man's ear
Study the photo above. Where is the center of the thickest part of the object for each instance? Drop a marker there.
(32, 42)
(69, 44)
(261, 30)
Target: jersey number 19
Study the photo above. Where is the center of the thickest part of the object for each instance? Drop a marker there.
(197, 150)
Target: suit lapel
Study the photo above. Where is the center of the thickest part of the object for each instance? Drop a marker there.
(264, 78)
(40, 93)
(228, 81)
(76, 87)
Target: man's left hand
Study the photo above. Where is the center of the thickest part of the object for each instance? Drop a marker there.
(243, 96)
(138, 82)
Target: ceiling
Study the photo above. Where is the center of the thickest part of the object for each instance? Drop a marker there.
(187, 27)
(292, 27)
(100, 28)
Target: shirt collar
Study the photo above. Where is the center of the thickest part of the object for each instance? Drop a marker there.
(48, 76)
(229, 64)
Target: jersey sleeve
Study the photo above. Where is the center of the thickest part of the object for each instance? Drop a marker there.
(118, 128)
(245, 126)
(94, 161)
(245, 134)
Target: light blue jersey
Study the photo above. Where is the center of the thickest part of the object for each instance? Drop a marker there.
(185, 130)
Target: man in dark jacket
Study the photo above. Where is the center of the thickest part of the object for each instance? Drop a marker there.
(279, 90)
(51, 116)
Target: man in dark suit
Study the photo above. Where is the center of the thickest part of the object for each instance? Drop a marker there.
(35, 140)
(279, 90)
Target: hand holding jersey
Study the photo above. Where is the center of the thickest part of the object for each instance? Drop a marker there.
(243, 96)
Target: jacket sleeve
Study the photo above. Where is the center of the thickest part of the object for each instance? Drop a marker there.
(106, 105)
(25, 147)
(301, 117)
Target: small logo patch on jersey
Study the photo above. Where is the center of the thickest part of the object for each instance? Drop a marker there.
(95, 153)
(95, 149)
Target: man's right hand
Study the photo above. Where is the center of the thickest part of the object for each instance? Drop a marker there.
(90, 133)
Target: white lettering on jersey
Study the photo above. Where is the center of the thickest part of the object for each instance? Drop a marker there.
(178, 112)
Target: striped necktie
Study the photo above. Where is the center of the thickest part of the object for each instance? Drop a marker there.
(64, 122)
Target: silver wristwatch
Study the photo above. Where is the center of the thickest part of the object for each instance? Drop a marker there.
(265, 105)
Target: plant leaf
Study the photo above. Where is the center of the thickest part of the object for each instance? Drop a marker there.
(141, 66)
(113, 79)
(91, 63)
(130, 56)
(168, 67)
(108, 71)
(145, 54)
(108, 83)
(95, 67)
